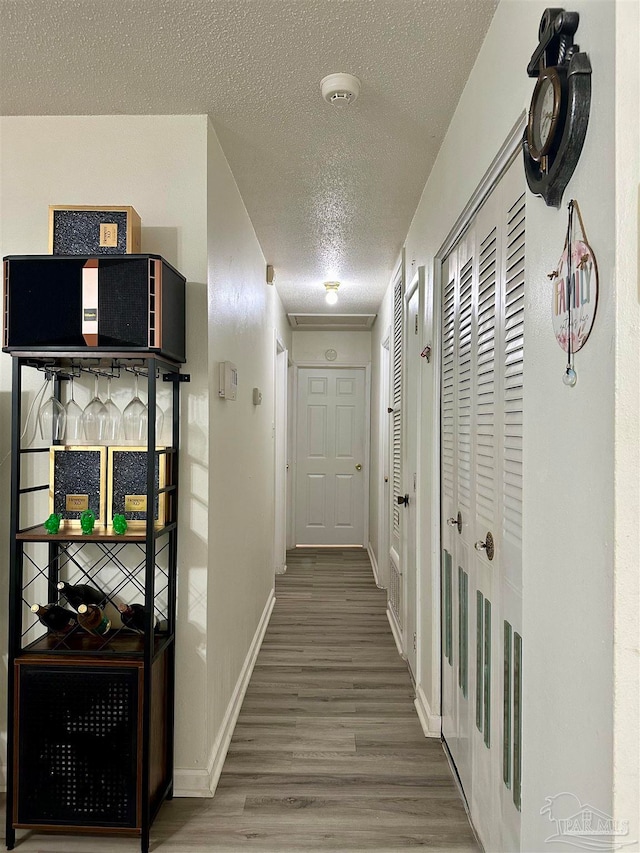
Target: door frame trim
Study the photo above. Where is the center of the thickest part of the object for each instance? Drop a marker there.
(367, 435)
(280, 430)
(501, 162)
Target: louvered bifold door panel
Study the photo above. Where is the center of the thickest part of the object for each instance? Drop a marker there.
(398, 297)
(485, 420)
(448, 413)
(464, 358)
(513, 390)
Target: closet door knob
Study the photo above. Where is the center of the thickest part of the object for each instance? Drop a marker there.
(488, 546)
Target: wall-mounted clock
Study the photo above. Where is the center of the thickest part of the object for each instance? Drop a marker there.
(559, 111)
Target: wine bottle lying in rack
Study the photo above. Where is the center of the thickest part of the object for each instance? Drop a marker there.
(55, 617)
(93, 619)
(82, 593)
(133, 616)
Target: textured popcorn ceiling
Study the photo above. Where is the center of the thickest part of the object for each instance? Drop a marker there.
(331, 191)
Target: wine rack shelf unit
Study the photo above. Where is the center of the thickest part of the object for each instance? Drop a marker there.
(123, 697)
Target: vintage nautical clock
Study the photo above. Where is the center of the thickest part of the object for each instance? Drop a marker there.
(559, 111)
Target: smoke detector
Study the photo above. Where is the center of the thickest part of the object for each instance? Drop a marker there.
(340, 89)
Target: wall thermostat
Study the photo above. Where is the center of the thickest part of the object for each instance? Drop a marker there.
(228, 380)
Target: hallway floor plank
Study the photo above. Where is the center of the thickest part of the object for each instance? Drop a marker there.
(328, 753)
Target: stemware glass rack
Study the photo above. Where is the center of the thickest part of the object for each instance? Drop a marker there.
(90, 716)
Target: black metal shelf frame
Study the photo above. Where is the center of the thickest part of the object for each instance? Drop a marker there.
(155, 580)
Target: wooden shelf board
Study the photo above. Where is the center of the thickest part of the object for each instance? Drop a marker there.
(83, 644)
(100, 534)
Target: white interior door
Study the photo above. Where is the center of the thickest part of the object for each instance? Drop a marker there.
(481, 485)
(410, 468)
(330, 456)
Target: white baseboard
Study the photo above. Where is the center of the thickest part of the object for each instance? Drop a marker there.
(203, 783)
(431, 723)
(374, 566)
(396, 631)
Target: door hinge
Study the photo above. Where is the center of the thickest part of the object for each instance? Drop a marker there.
(415, 641)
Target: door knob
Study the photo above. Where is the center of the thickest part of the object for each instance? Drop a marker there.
(358, 467)
(403, 499)
(488, 546)
(456, 522)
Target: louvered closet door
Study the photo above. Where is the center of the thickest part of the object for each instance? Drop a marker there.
(396, 592)
(484, 521)
(448, 490)
(481, 478)
(510, 629)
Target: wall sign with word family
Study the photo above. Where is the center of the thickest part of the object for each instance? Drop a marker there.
(575, 292)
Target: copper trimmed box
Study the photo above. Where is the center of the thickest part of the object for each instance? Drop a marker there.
(114, 303)
(93, 230)
(77, 482)
(128, 485)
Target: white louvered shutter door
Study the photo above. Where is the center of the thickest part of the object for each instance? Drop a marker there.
(512, 358)
(485, 427)
(395, 577)
(513, 381)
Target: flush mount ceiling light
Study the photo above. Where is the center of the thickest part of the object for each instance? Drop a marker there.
(332, 291)
(340, 89)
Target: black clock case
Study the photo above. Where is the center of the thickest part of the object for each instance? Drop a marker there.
(140, 305)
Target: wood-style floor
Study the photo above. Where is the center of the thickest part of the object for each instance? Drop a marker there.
(328, 753)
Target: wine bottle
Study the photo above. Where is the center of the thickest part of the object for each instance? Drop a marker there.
(82, 593)
(55, 617)
(92, 619)
(133, 616)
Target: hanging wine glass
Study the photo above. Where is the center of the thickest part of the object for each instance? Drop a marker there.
(52, 417)
(135, 418)
(113, 422)
(94, 417)
(74, 427)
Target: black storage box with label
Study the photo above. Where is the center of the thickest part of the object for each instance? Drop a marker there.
(78, 482)
(128, 485)
(116, 304)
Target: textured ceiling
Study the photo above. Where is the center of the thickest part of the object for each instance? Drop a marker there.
(331, 191)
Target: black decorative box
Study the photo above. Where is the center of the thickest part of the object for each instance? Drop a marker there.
(128, 485)
(115, 303)
(77, 480)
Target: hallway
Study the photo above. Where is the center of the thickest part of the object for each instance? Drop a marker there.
(328, 753)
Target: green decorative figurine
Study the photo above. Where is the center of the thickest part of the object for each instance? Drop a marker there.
(52, 524)
(120, 524)
(87, 520)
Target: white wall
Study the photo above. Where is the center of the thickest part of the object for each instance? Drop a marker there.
(158, 165)
(243, 313)
(351, 347)
(171, 169)
(568, 613)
